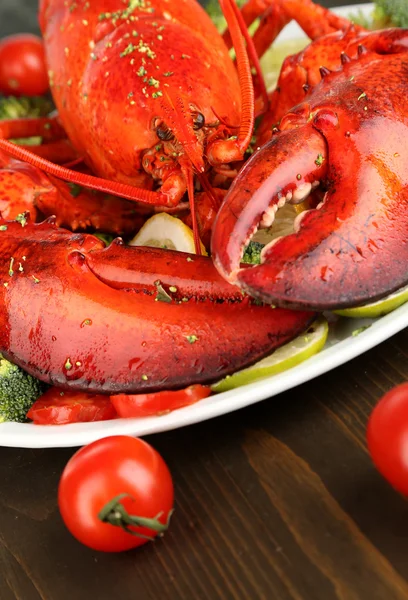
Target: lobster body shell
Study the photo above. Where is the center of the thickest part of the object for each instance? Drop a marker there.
(113, 67)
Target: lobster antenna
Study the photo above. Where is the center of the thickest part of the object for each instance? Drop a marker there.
(123, 190)
(182, 127)
(202, 178)
(253, 56)
(190, 189)
(176, 116)
(244, 73)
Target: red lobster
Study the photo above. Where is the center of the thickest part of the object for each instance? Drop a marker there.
(150, 100)
(135, 114)
(124, 79)
(344, 127)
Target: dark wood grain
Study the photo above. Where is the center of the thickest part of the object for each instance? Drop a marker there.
(279, 501)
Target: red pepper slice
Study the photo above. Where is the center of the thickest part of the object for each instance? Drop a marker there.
(158, 403)
(58, 407)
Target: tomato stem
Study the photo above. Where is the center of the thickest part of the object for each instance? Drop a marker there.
(116, 514)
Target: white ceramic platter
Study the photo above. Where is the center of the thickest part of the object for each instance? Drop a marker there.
(341, 347)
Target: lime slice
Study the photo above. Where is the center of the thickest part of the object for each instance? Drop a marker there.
(286, 357)
(272, 60)
(164, 231)
(283, 223)
(377, 309)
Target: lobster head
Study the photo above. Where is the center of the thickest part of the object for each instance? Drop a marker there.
(143, 114)
(348, 138)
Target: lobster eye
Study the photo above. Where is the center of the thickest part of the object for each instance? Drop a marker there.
(198, 121)
(164, 133)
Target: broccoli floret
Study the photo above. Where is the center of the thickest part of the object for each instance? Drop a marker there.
(18, 392)
(252, 254)
(391, 12)
(17, 108)
(387, 13)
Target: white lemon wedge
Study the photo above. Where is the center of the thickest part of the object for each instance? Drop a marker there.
(377, 309)
(164, 231)
(286, 357)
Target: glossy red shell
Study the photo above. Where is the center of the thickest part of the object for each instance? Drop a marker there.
(349, 133)
(112, 69)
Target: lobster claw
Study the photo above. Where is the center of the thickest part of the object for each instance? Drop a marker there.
(80, 316)
(352, 248)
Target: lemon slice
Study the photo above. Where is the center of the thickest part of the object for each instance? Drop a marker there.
(377, 309)
(286, 357)
(164, 231)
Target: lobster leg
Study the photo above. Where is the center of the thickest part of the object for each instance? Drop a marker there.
(124, 190)
(61, 152)
(206, 214)
(48, 128)
(55, 146)
(18, 189)
(315, 20)
(255, 9)
(272, 21)
(80, 209)
(67, 323)
(25, 188)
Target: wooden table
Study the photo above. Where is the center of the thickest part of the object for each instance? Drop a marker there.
(279, 501)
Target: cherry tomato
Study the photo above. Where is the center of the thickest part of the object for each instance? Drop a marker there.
(387, 437)
(58, 407)
(22, 66)
(143, 405)
(115, 483)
